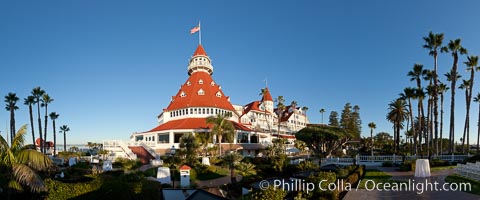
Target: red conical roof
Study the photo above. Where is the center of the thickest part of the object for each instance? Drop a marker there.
(267, 96)
(200, 51)
(200, 91)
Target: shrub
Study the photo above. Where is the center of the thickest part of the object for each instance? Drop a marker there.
(269, 193)
(59, 190)
(387, 164)
(353, 178)
(408, 165)
(361, 171)
(343, 173)
(438, 163)
(327, 177)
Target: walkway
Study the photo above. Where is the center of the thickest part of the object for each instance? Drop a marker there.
(438, 176)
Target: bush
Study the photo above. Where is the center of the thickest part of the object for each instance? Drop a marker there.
(387, 164)
(343, 173)
(438, 163)
(472, 159)
(361, 171)
(327, 178)
(408, 165)
(353, 178)
(59, 190)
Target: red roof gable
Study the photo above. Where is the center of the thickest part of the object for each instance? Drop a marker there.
(254, 106)
(192, 123)
(189, 94)
(200, 51)
(266, 95)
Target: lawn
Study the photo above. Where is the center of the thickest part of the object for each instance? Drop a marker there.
(376, 176)
(213, 173)
(440, 168)
(454, 178)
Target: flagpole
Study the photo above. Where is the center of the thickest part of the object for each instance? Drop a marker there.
(199, 33)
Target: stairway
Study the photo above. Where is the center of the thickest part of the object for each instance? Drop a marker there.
(142, 154)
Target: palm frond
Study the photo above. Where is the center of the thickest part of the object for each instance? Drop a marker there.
(6, 154)
(19, 139)
(34, 159)
(13, 184)
(26, 176)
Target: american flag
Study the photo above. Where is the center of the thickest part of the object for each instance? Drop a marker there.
(194, 29)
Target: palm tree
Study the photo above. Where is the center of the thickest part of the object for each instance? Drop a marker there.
(477, 99)
(466, 86)
(472, 66)
(46, 99)
(409, 94)
(246, 169)
(232, 159)
(293, 105)
(222, 127)
(204, 138)
(397, 115)
(11, 100)
(372, 126)
(432, 43)
(37, 93)
(22, 163)
(455, 47)
(280, 109)
(321, 112)
(442, 88)
(64, 129)
(53, 117)
(305, 109)
(417, 75)
(452, 76)
(29, 101)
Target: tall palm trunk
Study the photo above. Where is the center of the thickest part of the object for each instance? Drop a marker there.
(427, 141)
(412, 125)
(40, 126)
(441, 125)
(465, 128)
(472, 78)
(478, 129)
(54, 139)
(435, 105)
(219, 145)
(45, 132)
(452, 103)
(30, 111)
(12, 123)
(64, 141)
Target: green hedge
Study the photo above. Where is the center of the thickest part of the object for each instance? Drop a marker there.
(60, 190)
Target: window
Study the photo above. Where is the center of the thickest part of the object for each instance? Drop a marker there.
(163, 138)
(195, 112)
(188, 83)
(203, 110)
(171, 114)
(176, 137)
(212, 83)
(208, 111)
(191, 110)
(183, 94)
(200, 81)
(201, 92)
(219, 94)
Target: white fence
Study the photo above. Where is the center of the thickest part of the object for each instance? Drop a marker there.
(391, 158)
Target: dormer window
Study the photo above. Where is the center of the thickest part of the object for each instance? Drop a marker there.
(212, 83)
(219, 94)
(183, 94)
(201, 92)
(188, 83)
(200, 81)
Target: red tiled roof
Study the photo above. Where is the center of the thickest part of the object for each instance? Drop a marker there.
(185, 167)
(253, 106)
(267, 96)
(192, 98)
(286, 114)
(192, 123)
(200, 51)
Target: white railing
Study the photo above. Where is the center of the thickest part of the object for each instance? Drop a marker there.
(392, 158)
(150, 150)
(118, 144)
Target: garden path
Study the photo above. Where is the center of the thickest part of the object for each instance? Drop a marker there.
(438, 176)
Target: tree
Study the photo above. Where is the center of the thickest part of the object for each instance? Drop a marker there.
(204, 138)
(21, 164)
(268, 193)
(466, 84)
(305, 109)
(37, 93)
(53, 117)
(397, 115)
(11, 100)
(64, 129)
(29, 101)
(455, 47)
(416, 75)
(324, 140)
(452, 76)
(333, 119)
(442, 88)
(477, 99)
(46, 99)
(472, 66)
(321, 112)
(188, 148)
(372, 126)
(409, 94)
(432, 43)
(222, 127)
(231, 160)
(280, 109)
(350, 120)
(246, 169)
(300, 145)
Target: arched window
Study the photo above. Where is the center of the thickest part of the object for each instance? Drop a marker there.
(219, 94)
(212, 83)
(200, 81)
(201, 92)
(183, 94)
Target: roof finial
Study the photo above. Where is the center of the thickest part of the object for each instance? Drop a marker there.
(266, 82)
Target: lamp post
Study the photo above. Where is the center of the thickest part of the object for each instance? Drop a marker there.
(172, 152)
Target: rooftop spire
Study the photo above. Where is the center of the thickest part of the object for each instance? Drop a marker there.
(200, 62)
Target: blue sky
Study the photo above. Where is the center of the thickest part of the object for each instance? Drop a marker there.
(112, 66)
